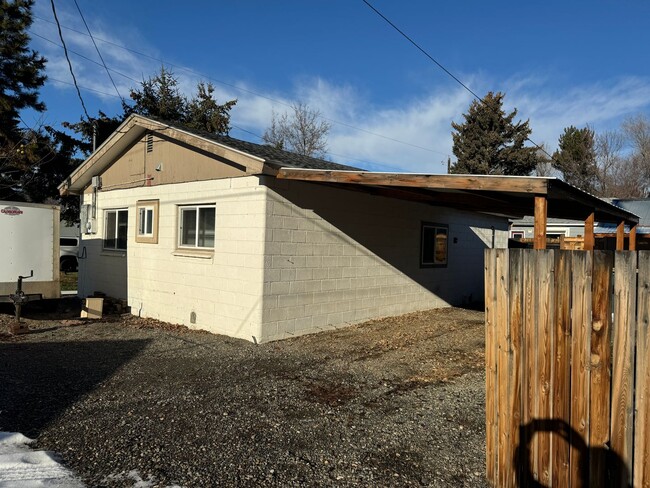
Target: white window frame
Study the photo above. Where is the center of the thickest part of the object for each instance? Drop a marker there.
(181, 209)
(145, 219)
(114, 236)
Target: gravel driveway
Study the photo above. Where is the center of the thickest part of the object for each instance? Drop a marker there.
(392, 402)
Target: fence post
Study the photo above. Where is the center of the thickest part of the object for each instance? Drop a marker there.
(642, 389)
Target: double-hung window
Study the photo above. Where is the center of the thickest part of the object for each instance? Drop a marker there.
(197, 226)
(115, 229)
(147, 221)
(434, 245)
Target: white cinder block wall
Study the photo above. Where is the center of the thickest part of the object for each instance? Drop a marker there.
(223, 290)
(335, 256)
(290, 258)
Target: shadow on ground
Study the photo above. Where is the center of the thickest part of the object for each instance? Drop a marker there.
(40, 381)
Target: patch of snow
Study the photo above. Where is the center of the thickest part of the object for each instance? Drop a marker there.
(135, 476)
(21, 467)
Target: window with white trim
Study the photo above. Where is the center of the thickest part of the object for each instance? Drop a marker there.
(197, 226)
(116, 223)
(147, 221)
(434, 245)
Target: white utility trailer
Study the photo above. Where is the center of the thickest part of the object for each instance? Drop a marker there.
(29, 242)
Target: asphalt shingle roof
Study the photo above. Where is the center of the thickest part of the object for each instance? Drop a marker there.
(273, 156)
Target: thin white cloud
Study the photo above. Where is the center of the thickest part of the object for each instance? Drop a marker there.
(424, 120)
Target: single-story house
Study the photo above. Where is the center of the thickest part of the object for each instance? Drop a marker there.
(254, 242)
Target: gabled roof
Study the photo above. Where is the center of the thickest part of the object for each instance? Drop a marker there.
(508, 196)
(256, 158)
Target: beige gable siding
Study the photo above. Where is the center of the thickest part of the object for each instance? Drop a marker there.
(336, 257)
(177, 163)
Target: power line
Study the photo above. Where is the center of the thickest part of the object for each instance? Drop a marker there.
(239, 88)
(98, 53)
(84, 87)
(65, 50)
(480, 99)
(31, 32)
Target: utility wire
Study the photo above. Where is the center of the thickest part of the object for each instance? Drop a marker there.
(239, 88)
(65, 50)
(480, 99)
(31, 32)
(99, 53)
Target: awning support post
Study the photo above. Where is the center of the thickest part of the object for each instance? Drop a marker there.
(541, 206)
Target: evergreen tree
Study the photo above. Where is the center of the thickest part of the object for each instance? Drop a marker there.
(489, 142)
(576, 158)
(205, 114)
(21, 75)
(159, 97)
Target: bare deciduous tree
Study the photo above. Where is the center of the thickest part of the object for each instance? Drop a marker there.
(637, 131)
(609, 146)
(301, 131)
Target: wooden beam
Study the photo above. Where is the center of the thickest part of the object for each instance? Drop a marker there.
(620, 236)
(632, 241)
(508, 184)
(589, 233)
(540, 222)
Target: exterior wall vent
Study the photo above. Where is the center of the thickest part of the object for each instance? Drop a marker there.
(149, 143)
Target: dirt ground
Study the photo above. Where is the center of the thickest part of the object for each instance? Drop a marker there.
(392, 402)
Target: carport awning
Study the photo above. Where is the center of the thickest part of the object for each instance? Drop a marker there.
(510, 196)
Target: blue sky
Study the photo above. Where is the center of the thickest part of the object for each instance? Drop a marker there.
(560, 63)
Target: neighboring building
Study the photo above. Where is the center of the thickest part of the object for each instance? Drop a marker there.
(233, 237)
(605, 233)
(524, 228)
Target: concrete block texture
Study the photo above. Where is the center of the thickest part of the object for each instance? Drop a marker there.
(359, 257)
(289, 257)
(219, 290)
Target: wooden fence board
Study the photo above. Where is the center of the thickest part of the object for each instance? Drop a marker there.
(624, 332)
(551, 345)
(515, 361)
(544, 317)
(580, 354)
(600, 367)
(641, 466)
(529, 361)
(561, 376)
(490, 365)
(504, 444)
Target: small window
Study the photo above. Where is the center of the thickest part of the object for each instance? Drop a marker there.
(517, 234)
(147, 221)
(197, 226)
(434, 245)
(115, 229)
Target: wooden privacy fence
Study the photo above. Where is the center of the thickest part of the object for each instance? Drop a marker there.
(567, 368)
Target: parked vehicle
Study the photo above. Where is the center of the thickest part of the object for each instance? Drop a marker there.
(68, 249)
(29, 246)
